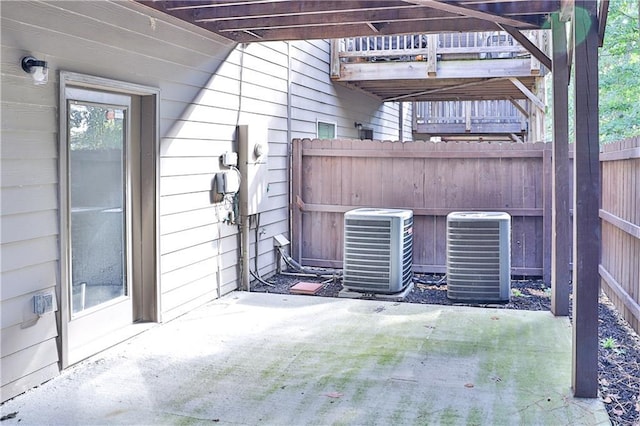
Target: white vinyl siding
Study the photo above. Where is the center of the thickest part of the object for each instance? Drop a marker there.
(207, 86)
(107, 39)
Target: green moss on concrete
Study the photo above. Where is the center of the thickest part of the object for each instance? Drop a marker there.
(450, 416)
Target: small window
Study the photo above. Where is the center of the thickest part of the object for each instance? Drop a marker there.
(326, 130)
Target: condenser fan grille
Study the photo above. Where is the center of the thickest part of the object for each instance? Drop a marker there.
(377, 250)
(367, 256)
(478, 256)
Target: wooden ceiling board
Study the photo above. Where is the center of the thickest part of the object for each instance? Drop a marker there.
(259, 20)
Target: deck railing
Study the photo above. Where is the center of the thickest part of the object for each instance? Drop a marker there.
(432, 48)
(489, 116)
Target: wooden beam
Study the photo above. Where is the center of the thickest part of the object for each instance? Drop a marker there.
(444, 89)
(365, 153)
(547, 203)
(561, 220)
(373, 27)
(427, 211)
(323, 17)
(528, 93)
(432, 55)
(472, 13)
(519, 107)
(529, 45)
(586, 222)
(602, 20)
(359, 29)
(570, 46)
(618, 289)
(566, 10)
(467, 116)
(623, 225)
(469, 128)
(335, 58)
(207, 10)
(515, 138)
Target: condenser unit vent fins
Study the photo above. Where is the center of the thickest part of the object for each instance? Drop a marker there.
(378, 250)
(479, 256)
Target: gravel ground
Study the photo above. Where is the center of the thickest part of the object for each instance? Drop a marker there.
(619, 353)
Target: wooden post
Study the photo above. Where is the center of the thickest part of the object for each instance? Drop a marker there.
(432, 55)
(296, 193)
(586, 222)
(335, 58)
(467, 116)
(547, 203)
(401, 121)
(561, 225)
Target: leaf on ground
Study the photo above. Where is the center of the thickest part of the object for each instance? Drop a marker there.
(9, 416)
(468, 385)
(607, 400)
(495, 318)
(617, 412)
(604, 382)
(334, 394)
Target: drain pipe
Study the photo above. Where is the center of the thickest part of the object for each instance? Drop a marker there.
(244, 237)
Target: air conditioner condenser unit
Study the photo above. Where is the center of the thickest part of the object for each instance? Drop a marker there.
(378, 250)
(479, 256)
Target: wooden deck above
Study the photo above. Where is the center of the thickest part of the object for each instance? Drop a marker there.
(471, 120)
(452, 66)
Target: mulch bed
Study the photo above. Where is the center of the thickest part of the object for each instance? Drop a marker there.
(618, 356)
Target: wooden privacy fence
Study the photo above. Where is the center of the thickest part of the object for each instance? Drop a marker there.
(620, 218)
(330, 177)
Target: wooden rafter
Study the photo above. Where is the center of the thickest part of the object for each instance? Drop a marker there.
(311, 12)
(528, 93)
(527, 44)
(469, 12)
(519, 107)
(267, 20)
(444, 89)
(314, 32)
(322, 19)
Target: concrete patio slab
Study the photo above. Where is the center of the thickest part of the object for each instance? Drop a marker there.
(255, 358)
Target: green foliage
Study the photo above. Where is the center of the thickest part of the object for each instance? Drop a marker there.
(516, 292)
(619, 73)
(95, 128)
(608, 343)
(619, 77)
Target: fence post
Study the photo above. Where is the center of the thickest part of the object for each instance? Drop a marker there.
(560, 249)
(547, 182)
(296, 193)
(586, 225)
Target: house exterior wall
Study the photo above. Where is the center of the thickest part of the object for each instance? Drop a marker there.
(207, 86)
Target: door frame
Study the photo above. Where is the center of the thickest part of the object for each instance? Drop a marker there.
(146, 296)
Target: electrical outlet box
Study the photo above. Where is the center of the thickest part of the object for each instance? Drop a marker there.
(230, 159)
(43, 303)
(227, 182)
(280, 241)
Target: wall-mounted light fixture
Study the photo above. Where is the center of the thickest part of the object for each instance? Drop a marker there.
(357, 125)
(38, 69)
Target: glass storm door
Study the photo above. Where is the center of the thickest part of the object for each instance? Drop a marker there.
(99, 218)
